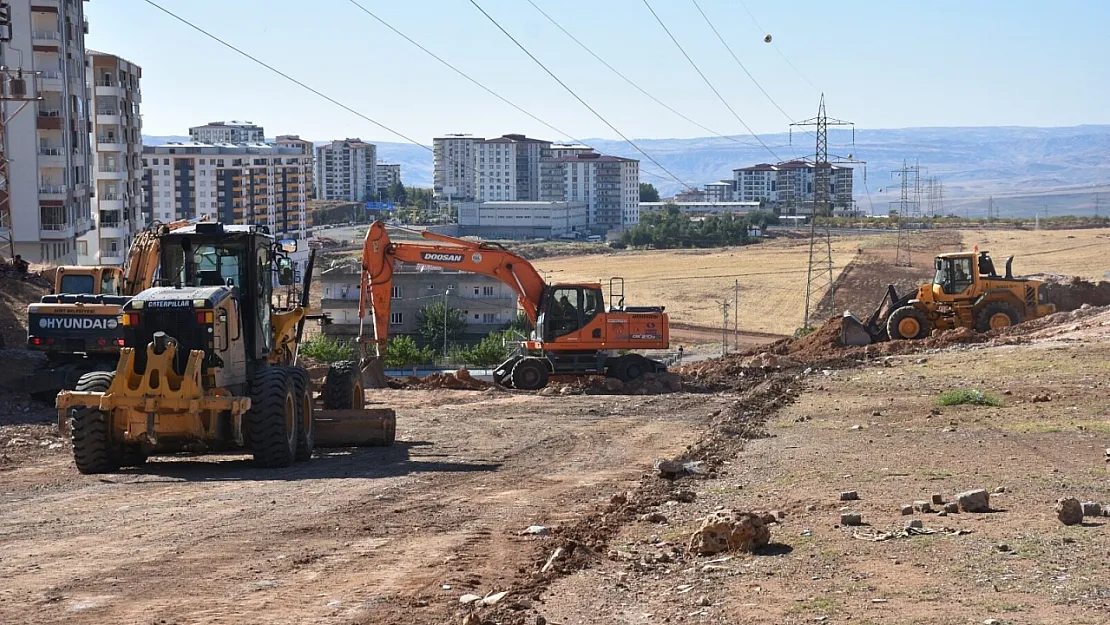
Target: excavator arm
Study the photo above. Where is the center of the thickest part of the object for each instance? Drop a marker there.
(144, 255)
(379, 255)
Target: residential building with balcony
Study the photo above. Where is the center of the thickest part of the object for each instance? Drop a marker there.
(507, 168)
(256, 184)
(306, 147)
(788, 187)
(47, 207)
(453, 166)
(228, 132)
(755, 183)
(488, 304)
(719, 191)
(388, 174)
(347, 170)
(609, 185)
(117, 161)
(522, 220)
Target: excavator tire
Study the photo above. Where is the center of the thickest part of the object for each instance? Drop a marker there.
(272, 418)
(530, 374)
(343, 386)
(996, 315)
(94, 451)
(907, 323)
(306, 422)
(630, 367)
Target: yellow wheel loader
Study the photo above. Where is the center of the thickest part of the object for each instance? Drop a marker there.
(966, 292)
(207, 363)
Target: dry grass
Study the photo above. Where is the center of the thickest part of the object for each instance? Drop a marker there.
(689, 282)
(1067, 252)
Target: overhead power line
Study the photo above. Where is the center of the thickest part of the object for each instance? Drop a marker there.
(707, 82)
(630, 81)
(460, 72)
(776, 47)
(576, 96)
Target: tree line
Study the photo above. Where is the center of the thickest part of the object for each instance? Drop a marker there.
(671, 228)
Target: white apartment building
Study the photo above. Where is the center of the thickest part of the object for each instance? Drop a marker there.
(508, 168)
(117, 162)
(790, 186)
(557, 150)
(453, 166)
(305, 147)
(522, 220)
(718, 191)
(256, 184)
(755, 183)
(228, 132)
(50, 164)
(609, 185)
(347, 170)
(388, 174)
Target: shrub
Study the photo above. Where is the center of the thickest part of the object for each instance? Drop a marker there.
(327, 349)
(974, 397)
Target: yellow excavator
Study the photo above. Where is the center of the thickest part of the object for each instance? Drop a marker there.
(966, 292)
(208, 364)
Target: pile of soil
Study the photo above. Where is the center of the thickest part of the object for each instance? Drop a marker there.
(461, 380)
(649, 384)
(1070, 293)
(15, 295)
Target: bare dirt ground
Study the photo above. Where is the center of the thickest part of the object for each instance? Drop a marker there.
(399, 535)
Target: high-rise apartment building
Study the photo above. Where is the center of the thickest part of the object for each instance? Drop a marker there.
(228, 132)
(790, 185)
(508, 168)
(388, 174)
(117, 160)
(234, 184)
(453, 166)
(47, 142)
(306, 147)
(610, 186)
(347, 170)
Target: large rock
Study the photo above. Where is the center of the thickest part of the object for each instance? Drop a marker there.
(730, 530)
(974, 501)
(1069, 511)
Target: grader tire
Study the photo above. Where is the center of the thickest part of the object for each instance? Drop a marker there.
(272, 418)
(343, 387)
(90, 430)
(306, 423)
(996, 315)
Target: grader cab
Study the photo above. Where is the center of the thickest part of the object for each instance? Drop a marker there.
(208, 364)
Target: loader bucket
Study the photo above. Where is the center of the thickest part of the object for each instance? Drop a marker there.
(366, 427)
(853, 332)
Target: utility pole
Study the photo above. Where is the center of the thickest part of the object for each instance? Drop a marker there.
(736, 315)
(990, 209)
(1096, 204)
(14, 87)
(724, 304)
(819, 276)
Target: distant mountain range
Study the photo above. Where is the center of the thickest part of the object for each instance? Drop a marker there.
(1026, 170)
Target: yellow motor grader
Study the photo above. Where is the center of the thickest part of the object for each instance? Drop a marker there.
(209, 364)
(966, 292)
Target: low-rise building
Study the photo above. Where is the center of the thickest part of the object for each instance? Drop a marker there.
(719, 191)
(488, 304)
(702, 208)
(522, 220)
(228, 132)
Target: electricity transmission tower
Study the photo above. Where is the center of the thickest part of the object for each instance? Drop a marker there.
(819, 276)
(906, 206)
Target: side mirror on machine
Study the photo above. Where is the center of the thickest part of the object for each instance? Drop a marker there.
(288, 245)
(285, 271)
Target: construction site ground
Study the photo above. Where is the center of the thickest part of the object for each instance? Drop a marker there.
(399, 535)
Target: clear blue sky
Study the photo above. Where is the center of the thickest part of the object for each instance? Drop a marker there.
(880, 64)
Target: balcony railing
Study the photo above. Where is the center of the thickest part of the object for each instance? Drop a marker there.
(46, 34)
(50, 151)
(55, 226)
(52, 188)
(51, 73)
(107, 111)
(50, 113)
(108, 139)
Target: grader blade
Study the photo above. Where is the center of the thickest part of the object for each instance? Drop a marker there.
(367, 427)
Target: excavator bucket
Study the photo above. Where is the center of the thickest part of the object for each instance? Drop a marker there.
(373, 372)
(853, 332)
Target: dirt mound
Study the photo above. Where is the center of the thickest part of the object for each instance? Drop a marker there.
(649, 384)
(15, 295)
(1070, 293)
(458, 381)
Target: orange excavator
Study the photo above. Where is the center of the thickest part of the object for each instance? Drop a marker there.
(574, 332)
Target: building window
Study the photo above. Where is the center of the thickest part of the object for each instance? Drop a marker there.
(487, 291)
(396, 319)
(489, 317)
(396, 292)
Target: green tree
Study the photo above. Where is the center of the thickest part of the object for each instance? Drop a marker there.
(397, 193)
(327, 349)
(521, 324)
(648, 193)
(402, 353)
(492, 351)
(431, 320)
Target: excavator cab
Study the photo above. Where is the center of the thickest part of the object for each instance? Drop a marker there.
(568, 308)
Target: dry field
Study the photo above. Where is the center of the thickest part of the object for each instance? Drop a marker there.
(772, 276)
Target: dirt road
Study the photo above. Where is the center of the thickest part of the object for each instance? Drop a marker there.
(370, 535)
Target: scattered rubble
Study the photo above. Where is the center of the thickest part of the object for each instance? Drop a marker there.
(729, 530)
(1069, 511)
(849, 495)
(459, 381)
(851, 518)
(1092, 508)
(974, 501)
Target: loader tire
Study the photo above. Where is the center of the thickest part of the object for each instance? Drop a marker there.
(306, 422)
(530, 374)
(996, 315)
(90, 430)
(343, 387)
(907, 323)
(272, 418)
